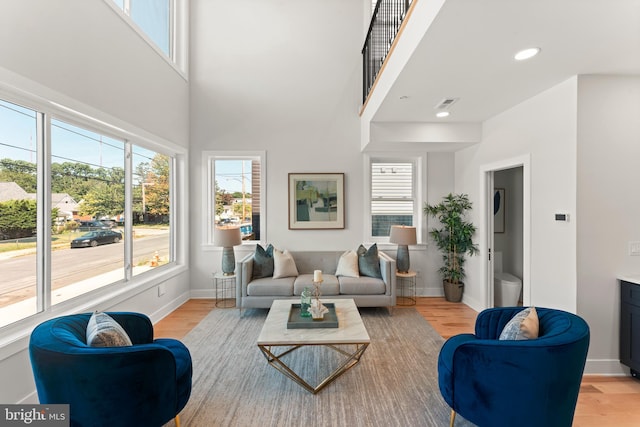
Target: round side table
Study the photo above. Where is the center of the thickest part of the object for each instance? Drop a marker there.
(406, 287)
(225, 290)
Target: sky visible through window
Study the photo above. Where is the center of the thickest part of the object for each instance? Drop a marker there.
(18, 141)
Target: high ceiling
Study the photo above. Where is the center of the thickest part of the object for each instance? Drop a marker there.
(467, 53)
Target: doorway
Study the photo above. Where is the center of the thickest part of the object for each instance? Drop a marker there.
(506, 193)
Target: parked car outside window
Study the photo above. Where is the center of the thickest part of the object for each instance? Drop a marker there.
(95, 238)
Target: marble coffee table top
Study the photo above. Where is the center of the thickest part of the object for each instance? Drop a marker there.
(350, 328)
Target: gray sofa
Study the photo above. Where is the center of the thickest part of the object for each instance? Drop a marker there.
(365, 291)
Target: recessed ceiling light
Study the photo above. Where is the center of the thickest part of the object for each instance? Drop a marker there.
(527, 53)
(442, 114)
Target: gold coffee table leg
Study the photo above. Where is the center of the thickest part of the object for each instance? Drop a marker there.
(276, 361)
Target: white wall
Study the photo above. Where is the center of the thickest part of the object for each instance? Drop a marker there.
(282, 77)
(85, 51)
(608, 206)
(543, 128)
(85, 57)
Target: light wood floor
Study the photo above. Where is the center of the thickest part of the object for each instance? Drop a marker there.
(603, 401)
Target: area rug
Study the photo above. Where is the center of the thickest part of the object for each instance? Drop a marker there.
(395, 383)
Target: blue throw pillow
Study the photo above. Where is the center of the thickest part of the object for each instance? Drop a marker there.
(368, 261)
(262, 262)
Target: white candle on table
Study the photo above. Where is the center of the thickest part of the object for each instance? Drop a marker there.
(317, 276)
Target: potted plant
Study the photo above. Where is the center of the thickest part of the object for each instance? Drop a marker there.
(454, 239)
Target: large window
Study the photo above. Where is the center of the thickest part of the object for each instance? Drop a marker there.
(395, 194)
(81, 208)
(18, 212)
(235, 193)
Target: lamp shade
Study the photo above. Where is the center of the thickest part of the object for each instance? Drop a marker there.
(227, 237)
(403, 235)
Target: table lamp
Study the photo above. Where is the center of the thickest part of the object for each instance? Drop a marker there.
(403, 236)
(227, 238)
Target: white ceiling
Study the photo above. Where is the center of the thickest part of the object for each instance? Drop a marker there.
(468, 51)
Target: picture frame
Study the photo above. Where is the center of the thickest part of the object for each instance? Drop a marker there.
(316, 201)
(498, 210)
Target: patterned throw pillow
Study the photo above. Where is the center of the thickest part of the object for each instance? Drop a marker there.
(283, 265)
(104, 331)
(368, 261)
(348, 265)
(523, 326)
(262, 262)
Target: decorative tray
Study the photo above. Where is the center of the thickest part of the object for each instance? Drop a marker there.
(296, 321)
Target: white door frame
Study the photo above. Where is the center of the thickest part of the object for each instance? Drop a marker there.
(486, 218)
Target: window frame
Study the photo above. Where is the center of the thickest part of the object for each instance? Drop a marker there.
(12, 335)
(208, 165)
(178, 33)
(419, 161)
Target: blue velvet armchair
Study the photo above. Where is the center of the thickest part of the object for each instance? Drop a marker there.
(515, 383)
(145, 384)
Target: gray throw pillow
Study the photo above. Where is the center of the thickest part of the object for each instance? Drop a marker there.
(262, 262)
(523, 326)
(368, 261)
(104, 331)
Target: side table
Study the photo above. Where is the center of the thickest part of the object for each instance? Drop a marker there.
(225, 290)
(406, 286)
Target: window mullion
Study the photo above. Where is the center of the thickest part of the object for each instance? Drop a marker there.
(43, 223)
(128, 211)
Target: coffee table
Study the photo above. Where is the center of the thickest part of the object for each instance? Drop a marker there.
(276, 341)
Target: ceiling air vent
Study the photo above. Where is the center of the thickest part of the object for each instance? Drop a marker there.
(446, 103)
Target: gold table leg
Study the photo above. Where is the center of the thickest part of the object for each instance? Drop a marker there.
(275, 360)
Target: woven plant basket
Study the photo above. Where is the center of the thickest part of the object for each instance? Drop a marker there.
(453, 291)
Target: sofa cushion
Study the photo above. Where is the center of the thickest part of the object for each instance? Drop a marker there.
(262, 262)
(368, 261)
(329, 285)
(361, 286)
(267, 287)
(283, 264)
(104, 331)
(523, 326)
(348, 265)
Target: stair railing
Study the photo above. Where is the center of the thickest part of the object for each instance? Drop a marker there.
(386, 20)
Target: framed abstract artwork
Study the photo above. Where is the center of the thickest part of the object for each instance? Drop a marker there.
(316, 201)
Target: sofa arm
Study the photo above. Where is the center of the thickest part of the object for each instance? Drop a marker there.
(388, 271)
(244, 272)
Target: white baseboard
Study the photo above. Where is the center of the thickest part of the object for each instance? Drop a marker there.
(203, 293)
(168, 308)
(610, 367)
